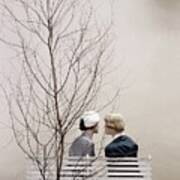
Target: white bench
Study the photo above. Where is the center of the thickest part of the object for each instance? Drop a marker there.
(96, 169)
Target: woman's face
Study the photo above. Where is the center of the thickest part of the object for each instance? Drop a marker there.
(108, 129)
(96, 128)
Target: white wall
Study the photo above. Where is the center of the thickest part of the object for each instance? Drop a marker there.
(148, 42)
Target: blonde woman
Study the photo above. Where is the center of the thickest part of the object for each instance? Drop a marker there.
(121, 145)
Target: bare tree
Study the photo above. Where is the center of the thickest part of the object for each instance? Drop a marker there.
(62, 50)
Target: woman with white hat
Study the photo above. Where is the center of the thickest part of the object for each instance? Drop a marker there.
(84, 145)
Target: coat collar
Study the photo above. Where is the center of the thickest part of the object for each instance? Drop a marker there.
(118, 135)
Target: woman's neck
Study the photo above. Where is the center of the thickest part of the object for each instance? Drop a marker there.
(89, 133)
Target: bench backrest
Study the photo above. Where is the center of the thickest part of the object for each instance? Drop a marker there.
(93, 169)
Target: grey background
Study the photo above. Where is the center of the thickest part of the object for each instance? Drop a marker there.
(148, 42)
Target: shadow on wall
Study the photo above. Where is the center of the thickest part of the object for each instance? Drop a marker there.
(168, 4)
(166, 13)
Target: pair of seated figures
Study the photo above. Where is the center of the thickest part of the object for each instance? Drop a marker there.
(121, 145)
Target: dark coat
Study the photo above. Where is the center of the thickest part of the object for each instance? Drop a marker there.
(122, 146)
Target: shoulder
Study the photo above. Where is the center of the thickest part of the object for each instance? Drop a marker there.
(124, 138)
(122, 141)
(83, 141)
(129, 139)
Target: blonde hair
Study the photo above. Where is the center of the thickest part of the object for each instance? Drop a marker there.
(115, 121)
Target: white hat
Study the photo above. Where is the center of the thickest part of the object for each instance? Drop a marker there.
(91, 118)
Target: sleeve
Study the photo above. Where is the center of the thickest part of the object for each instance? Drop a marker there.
(91, 150)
